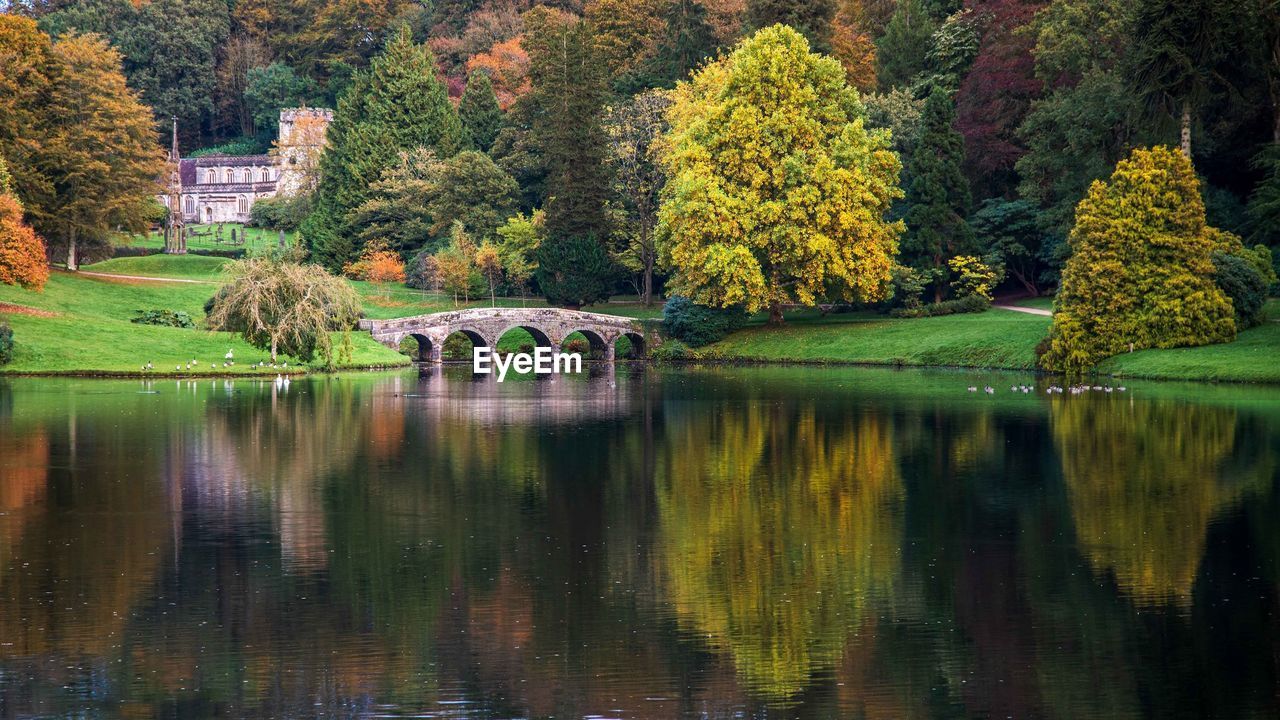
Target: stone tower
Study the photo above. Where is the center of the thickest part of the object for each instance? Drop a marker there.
(302, 140)
(175, 232)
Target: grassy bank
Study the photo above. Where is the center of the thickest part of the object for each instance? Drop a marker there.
(1001, 339)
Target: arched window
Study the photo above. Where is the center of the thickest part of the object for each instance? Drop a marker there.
(266, 175)
(231, 175)
(191, 205)
(244, 204)
(247, 175)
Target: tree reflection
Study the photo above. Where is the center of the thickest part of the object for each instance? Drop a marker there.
(1145, 478)
(778, 528)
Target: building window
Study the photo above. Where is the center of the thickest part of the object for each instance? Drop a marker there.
(244, 204)
(191, 205)
(266, 175)
(231, 176)
(247, 175)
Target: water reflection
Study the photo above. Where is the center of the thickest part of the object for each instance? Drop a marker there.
(780, 542)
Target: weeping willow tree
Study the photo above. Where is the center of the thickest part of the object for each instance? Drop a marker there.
(287, 307)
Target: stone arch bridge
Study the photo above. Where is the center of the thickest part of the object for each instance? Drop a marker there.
(484, 326)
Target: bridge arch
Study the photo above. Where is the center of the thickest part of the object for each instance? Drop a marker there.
(637, 343)
(485, 326)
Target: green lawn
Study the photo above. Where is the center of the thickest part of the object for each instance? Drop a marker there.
(994, 339)
(90, 331)
(1251, 358)
(187, 267)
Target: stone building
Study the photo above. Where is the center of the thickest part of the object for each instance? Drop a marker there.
(223, 188)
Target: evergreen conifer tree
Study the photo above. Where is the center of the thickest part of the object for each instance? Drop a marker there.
(688, 40)
(479, 112)
(902, 52)
(396, 105)
(812, 18)
(569, 92)
(938, 199)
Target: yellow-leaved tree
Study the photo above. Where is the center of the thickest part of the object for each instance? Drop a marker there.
(1140, 273)
(777, 191)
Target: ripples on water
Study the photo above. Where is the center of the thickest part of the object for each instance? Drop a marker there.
(761, 542)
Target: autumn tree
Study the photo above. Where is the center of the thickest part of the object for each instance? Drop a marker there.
(569, 93)
(455, 264)
(1140, 274)
(25, 65)
(22, 258)
(397, 104)
(378, 264)
(507, 65)
(479, 112)
(938, 198)
(99, 156)
(635, 129)
(777, 192)
(812, 18)
(489, 263)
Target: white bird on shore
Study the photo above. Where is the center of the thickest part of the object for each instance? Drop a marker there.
(228, 355)
(989, 390)
(973, 388)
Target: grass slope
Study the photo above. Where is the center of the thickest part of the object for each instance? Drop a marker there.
(91, 332)
(994, 339)
(1251, 358)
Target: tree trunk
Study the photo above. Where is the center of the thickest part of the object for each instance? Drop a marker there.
(273, 351)
(73, 263)
(1186, 129)
(648, 281)
(775, 313)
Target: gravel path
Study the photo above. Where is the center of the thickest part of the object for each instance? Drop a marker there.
(1028, 310)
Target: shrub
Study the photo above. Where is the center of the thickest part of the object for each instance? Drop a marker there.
(908, 285)
(1240, 280)
(456, 347)
(698, 325)
(672, 350)
(956, 306)
(6, 343)
(377, 264)
(167, 318)
(973, 277)
(282, 212)
(134, 251)
(22, 252)
(578, 345)
(573, 271)
(1140, 274)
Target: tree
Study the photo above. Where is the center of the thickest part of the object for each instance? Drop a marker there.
(1009, 231)
(1140, 274)
(901, 53)
(569, 93)
(776, 192)
(378, 264)
(470, 189)
(270, 88)
(634, 130)
(24, 80)
(455, 264)
(938, 199)
(99, 156)
(687, 40)
(22, 260)
(396, 212)
(237, 58)
(1178, 45)
(573, 271)
(489, 263)
(812, 18)
(1264, 203)
(397, 104)
(170, 50)
(507, 65)
(996, 94)
(626, 32)
(479, 112)
(283, 306)
(521, 235)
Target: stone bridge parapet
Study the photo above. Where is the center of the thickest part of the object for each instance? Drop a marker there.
(484, 326)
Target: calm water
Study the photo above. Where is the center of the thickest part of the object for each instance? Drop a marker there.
(702, 543)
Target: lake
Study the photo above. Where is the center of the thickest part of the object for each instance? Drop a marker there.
(695, 542)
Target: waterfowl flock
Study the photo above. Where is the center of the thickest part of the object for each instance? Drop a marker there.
(1052, 389)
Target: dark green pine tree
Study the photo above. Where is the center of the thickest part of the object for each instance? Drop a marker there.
(938, 199)
(689, 39)
(902, 52)
(396, 105)
(479, 112)
(569, 92)
(1179, 48)
(811, 17)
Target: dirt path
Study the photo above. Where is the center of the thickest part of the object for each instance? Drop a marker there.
(143, 278)
(1028, 310)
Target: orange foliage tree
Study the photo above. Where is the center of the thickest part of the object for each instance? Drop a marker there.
(378, 264)
(22, 252)
(508, 67)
